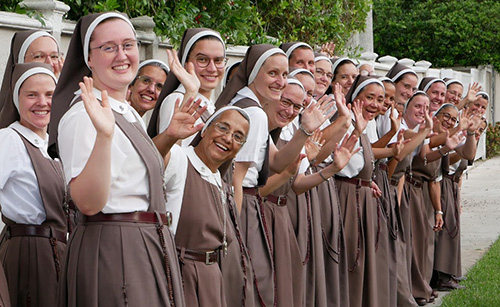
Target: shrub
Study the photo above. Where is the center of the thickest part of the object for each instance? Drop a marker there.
(493, 140)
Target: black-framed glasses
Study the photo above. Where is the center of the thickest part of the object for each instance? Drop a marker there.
(447, 117)
(147, 81)
(203, 61)
(223, 128)
(113, 48)
(41, 56)
(287, 104)
(320, 73)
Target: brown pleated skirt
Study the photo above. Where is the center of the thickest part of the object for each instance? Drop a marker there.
(4, 290)
(31, 270)
(121, 264)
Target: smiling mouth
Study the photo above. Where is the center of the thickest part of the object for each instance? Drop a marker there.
(148, 98)
(224, 148)
(210, 78)
(121, 67)
(41, 112)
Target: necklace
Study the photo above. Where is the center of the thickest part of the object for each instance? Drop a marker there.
(223, 208)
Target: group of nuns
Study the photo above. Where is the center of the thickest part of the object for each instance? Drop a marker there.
(303, 183)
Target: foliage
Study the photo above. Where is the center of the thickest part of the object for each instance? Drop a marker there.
(446, 33)
(240, 22)
(493, 140)
(483, 283)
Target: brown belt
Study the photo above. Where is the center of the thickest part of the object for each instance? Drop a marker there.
(206, 257)
(277, 200)
(35, 231)
(452, 177)
(414, 182)
(383, 166)
(251, 191)
(357, 182)
(133, 217)
(394, 182)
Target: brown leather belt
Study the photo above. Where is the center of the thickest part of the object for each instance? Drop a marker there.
(414, 182)
(394, 182)
(452, 177)
(35, 231)
(132, 217)
(251, 191)
(357, 182)
(206, 257)
(277, 200)
(383, 166)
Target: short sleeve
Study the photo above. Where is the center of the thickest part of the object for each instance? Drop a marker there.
(10, 149)
(257, 136)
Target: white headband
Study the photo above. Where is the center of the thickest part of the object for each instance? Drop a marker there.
(451, 81)
(224, 109)
(297, 82)
(195, 38)
(483, 93)
(414, 94)
(337, 63)
(428, 85)
(26, 75)
(162, 64)
(26, 44)
(299, 71)
(92, 27)
(404, 71)
(261, 60)
(364, 84)
(295, 46)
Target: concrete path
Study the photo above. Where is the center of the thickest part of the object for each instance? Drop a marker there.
(480, 217)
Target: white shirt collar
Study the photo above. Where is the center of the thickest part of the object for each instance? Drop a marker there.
(202, 169)
(31, 136)
(245, 92)
(117, 106)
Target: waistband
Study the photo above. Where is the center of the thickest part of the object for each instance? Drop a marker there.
(453, 178)
(382, 166)
(208, 258)
(415, 182)
(277, 200)
(35, 231)
(132, 217)
(251, 191)
(355, 181)
(394, 182)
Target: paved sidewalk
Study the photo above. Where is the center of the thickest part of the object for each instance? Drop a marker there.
(480, 219)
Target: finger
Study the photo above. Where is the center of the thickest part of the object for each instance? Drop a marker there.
(105, 99)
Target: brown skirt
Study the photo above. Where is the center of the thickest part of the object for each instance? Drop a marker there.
(287, 256)
(256, 237)
(203, 284)
(30, 270)
(121, 264)
(359, 211)
(447, 253)
(4, 290)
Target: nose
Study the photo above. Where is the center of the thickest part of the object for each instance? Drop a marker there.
(151, 87)
(48, 60)
(120, 53)
(211, 66)
(228, 137)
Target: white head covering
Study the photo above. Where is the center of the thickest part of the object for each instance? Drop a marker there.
(261, 60)
(222, 110)
(159, 63)
(26, 44)
(26, 75)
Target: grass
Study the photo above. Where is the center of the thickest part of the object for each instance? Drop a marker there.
(483, 283)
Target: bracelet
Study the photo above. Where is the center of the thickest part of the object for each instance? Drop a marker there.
(305, 131)
(442, 154)
(439, 212)
(471, 133)
(322, 176)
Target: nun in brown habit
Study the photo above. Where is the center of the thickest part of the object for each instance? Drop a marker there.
(260, 80)
(32, 190)
(359, 209)
(122, 252)
(4, 290)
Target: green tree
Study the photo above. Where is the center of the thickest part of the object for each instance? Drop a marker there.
(446, 33)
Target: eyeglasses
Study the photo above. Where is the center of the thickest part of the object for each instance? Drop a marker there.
(320, 73)
(238, 137)
(287, 104)
(147, 81)
(203, 61)
(41, 56)
(447, 117)
(113, 48)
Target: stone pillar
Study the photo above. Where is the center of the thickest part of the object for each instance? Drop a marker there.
(366, 37)
(52, 12)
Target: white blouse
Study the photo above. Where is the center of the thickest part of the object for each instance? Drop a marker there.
(129, 189)
(176, 175)
(167, 111)
(20, 197)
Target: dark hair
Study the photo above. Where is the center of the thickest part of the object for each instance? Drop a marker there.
(345, 62)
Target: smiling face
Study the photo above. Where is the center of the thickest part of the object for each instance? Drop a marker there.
(323, 76)
(35, 100)
(215, 147)
(416, 110)
(302, 57)
(344, 75)
(454, 93)
(42, 45)
(390, 91)
(113, 71)
(210, 76)
(271, 79)
(372, 97)
(405, 87)
(281, 113)
(479, 106)
(436, 93)
(143, 96)
(480, 130)
(447, 118)
(309, 85)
